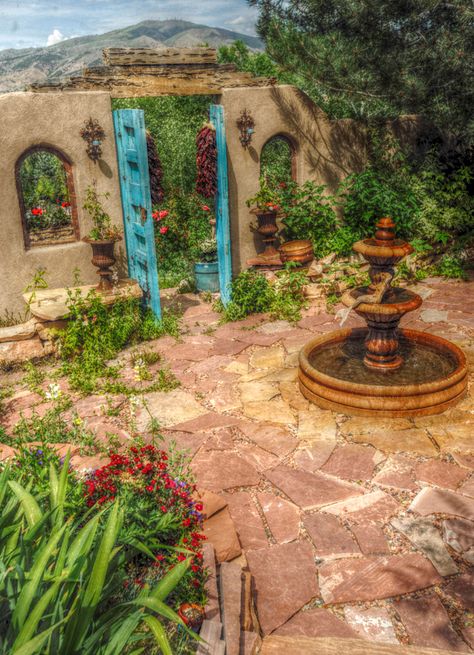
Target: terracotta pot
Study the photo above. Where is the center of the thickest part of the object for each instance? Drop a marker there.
(300, 251)
(103, 258)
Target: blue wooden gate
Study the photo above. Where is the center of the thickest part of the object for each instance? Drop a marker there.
(222, 205)
(130, 137)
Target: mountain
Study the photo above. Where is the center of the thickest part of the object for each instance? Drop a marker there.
(21, 67)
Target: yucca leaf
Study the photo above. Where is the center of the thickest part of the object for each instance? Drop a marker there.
(53, 486)
(166, 585)
(159, 634)
(79, 625)
(30, 506)
(162, 608)
(34, 645)
(35, 616)
(35, 576)
(121, 636)
(84, 540)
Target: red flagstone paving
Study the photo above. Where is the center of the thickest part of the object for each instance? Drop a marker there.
(285, 580)
(370, 578)
(314, 495)
(427, 624)
(282, 517)
(310, 490)
(330, 538)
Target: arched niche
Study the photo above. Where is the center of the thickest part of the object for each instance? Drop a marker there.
(45, 187)
(278, 160)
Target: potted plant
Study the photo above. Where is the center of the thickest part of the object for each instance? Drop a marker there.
(206, 270)
(265, 205)
(102, 237)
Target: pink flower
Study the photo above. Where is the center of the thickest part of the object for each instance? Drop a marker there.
(162, 214)
(205, 208)
(164, 229)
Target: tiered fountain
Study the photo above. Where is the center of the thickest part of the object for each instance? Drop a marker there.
(382, 370)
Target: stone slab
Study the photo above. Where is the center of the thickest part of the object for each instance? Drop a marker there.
(18, 332)
(217, 470)
(314, 456)
(371, 578)
(316, 622)
(220, 532)
(230, 583)
(22, 351)
(376, 507)
(247, 520)
(442, 501)
(397, 473)
(282, 517)
(353, 462)
(275, 411)
(53, 304)
(427, 624)
(169, 408)
(459, 534)
(273, 438)
(371, 539)
(331, 539)
(411, 440)
(423, 534)
(442, 474)
(285, 580)
(372, 623)
(462, 589)
(310, 490)
(212, 608)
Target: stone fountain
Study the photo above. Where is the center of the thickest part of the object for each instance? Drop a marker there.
(382, 370)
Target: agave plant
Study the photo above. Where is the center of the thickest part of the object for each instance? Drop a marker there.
(60, 581)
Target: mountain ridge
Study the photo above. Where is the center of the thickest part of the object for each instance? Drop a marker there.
(21, 67)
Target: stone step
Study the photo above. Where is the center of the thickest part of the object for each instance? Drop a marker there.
(333, 646)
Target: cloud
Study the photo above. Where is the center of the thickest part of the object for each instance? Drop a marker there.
(55, 37)
(240, 20)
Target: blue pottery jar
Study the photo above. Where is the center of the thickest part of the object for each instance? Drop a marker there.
(207, 276)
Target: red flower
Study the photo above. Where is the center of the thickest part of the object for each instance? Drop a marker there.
(181, 557)
(37, 211)
(205, 208)
(163, 508)
(164, 230)
(186, 523)
(199, 507)
(65, 204)
(162, 214)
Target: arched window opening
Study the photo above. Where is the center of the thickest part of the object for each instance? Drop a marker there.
(47, 198)
(277, 161)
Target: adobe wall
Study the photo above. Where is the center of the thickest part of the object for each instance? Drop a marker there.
(55, 119)
(326, 151)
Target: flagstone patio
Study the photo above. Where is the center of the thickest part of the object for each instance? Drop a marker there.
(350, 527)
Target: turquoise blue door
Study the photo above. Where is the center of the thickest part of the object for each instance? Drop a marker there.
(130, 138)
(222, 205)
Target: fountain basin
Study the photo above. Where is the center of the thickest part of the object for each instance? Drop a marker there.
(332, 374)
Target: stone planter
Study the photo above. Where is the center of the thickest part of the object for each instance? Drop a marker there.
(207, 276)
(103, 258)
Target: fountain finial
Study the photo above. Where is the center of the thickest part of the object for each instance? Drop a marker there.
(385, 233)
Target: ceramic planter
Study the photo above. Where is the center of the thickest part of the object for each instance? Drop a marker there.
(300, 251)
(207, 276)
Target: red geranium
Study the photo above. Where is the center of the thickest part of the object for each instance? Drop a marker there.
(164, 229)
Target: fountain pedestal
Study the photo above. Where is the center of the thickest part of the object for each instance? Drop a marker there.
(382, 370)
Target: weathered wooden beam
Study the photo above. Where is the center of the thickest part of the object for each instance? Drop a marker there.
(153, 56)
(156, 85)
(158, 70)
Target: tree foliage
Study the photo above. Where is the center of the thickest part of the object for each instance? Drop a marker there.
(378, 58)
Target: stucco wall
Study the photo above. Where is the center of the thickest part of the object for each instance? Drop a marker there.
(326, 151)
(29, 119)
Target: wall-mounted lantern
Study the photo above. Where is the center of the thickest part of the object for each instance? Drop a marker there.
(246, 126)
(93, 134)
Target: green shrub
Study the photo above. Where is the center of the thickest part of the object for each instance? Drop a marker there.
(252, 294)
(95, 333)
(59, 578)
(308, 213)
(368, 196)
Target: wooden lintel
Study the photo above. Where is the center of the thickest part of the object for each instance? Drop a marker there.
(157, 70)
(153, 56)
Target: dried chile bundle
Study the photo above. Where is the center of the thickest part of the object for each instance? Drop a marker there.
(206, 160)
(155, 170)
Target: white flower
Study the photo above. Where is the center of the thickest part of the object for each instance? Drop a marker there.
(135, 401)
(53, 391)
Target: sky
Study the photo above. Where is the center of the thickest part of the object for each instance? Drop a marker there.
(27, 23)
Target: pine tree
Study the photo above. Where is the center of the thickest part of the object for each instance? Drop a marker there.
(374, 59)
